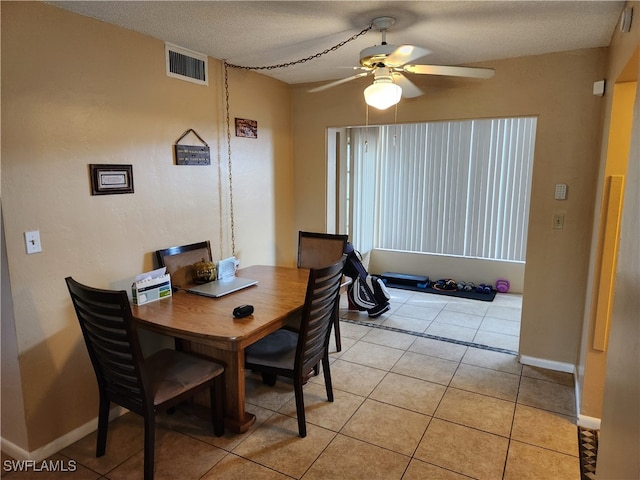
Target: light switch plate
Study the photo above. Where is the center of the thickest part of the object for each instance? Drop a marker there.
(32, 241)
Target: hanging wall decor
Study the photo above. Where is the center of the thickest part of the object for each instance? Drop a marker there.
(192, 154)
(107, 179)
(246, 128)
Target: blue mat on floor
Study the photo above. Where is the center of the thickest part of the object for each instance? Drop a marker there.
(422, 284)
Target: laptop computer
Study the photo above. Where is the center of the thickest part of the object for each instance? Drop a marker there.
(222, 286)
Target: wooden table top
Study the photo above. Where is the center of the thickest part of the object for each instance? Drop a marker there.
(280, 292)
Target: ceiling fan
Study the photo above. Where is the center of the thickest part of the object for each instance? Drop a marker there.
(388, 63)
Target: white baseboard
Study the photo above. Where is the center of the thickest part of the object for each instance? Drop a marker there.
(59, 443)
(548, 364)
(581, 420)
(588, 422)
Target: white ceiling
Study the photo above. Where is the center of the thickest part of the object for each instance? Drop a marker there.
(261, 33)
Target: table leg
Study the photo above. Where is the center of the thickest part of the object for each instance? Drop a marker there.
(236, 418)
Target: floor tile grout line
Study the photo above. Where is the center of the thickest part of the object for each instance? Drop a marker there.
(432, 337)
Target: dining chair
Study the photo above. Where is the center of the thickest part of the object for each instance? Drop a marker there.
(317, 250)
(145, 386)
(295, 354)
(179, 261)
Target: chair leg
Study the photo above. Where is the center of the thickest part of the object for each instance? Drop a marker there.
(149, 446)
(268, 379)
(327, 377)
(103, 424)
(336, 330)
(302, 424)
(217, 406)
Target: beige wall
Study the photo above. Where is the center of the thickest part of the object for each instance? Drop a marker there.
(76, 91)
(557, 88)
(592, 364)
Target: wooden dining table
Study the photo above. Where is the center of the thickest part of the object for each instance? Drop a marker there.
(209, 328)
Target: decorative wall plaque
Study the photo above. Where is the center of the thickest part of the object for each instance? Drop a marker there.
(192, 154)
(107, 179)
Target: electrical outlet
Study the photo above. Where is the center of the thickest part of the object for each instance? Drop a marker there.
(558, 221)
(32, 241)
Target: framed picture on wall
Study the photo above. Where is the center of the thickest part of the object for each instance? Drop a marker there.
(246, 128)
(109, 179)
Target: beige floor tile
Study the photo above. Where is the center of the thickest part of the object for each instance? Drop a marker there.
(497, 340)
(319, 411)
(455, 332)
(389, 339)
(176, 456)
(463, 450)
(548, 375)
(547, 396)
(277, 445)
(486, 381)
(351, 330)
(477, 411)
(387, 426)
(460, 319)
(498, 325)
(425, 367)
(504, 312)
(199, 426)
(125, 437)
(436, 348)
(271, 398)
(354, 378)
(407, 323)
(410, 393)
(493, 360)
(233, 467)
(417, 311)
(511, 300)
(351, 459)
(526, 462)
(372, 355)
(545, 429)
(346, 344)
(472, 307)
(418, 470)
(436, 302)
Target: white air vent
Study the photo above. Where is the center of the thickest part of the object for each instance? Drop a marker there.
(186, 64)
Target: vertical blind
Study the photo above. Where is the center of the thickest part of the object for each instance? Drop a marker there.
(456, 188)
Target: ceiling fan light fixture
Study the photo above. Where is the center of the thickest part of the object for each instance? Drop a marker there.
(382, 94)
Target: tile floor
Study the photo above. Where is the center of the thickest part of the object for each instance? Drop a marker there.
(406, 406)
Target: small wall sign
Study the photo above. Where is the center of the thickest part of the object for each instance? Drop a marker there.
(109, 179)
(192, 154)
(246, 128)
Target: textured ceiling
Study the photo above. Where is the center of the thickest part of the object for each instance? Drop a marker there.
(261, 33)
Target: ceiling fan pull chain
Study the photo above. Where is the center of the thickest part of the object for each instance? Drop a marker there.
(226, 95)
(303, 60)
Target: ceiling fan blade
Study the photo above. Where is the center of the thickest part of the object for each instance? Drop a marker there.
(409, 90)
(471, 72)
(338, 82)
(405, 54)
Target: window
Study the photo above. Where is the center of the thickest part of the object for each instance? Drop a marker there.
(456, 188)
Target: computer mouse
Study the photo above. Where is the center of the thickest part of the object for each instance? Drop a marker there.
(243, 311)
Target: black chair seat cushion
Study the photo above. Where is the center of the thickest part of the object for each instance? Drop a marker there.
(277, 350)
(174, 373)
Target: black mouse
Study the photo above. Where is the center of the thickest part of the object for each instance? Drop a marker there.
(243, 311)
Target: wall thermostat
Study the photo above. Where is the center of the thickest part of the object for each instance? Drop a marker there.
(561, 191)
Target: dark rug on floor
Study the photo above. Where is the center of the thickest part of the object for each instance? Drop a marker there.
(485, 297)
(588, 444)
